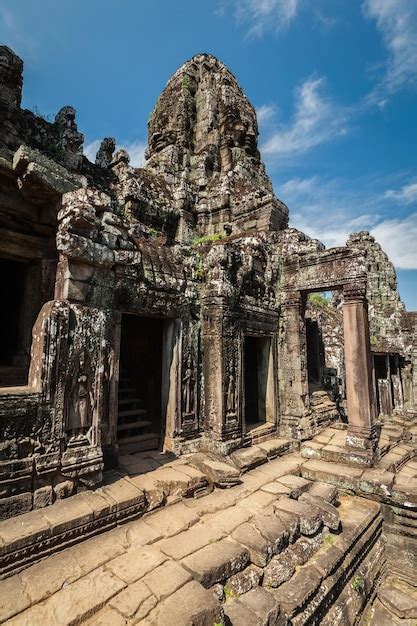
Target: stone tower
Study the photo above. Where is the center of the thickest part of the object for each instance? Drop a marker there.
(202, 138)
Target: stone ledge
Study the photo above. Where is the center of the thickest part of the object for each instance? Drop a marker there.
(42, 532)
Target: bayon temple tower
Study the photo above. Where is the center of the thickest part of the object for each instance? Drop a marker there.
(165, 335)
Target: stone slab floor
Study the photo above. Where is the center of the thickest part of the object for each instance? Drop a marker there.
(252, 554)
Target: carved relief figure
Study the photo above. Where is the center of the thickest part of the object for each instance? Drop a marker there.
(231, 394)
(79, 405)
(188, 389)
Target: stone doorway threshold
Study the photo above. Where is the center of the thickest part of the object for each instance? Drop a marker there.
(145, 481)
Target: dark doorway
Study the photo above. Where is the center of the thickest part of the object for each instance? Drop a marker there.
(14, 357)
(258, 404)
(315, 354)
(139, 425)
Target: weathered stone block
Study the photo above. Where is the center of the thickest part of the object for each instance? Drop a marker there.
(13, 598)
(309, 517)
(243, 581)
(263, 604)
(64, 489)
(135, 563)
(328, 513)
(293, 594)
(192, 605)
(166, 579)
(15, 505)
(260, 549)
(172, 520)
(79, 600)
(217, 562)
(295, 484)
(219, 473)
(190, 541)
(42, 497)
(325, 491)
(279, 569)
(274, 530)
(238, 613)
(137, 597)
(247, 458)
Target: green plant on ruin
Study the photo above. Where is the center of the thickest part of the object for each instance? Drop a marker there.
(319, 300)
(328, 540)
(229, 593)
(357, 583)
(121, 211)
(200, 272)
(374, 341)
(200, 241)
(186, 84)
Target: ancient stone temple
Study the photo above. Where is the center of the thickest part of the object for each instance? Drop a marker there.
(161, 336)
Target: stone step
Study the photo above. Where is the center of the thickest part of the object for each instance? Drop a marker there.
(138, 443)
(123, 401)
(399, 598)
(133, 425)
(127, 389)
(132, 412)
(302, 576)
(43, 532)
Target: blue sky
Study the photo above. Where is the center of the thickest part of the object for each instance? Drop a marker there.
(334, 83)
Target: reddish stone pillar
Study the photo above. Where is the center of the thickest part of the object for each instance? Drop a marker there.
(361, 434)
(293, 381)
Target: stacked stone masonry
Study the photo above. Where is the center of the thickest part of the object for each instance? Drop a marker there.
(160, 343)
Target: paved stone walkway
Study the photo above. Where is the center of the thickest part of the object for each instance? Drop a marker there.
(253, 554)
(132, 568)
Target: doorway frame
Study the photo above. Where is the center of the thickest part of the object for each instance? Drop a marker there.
(271, 388)
(170, 378)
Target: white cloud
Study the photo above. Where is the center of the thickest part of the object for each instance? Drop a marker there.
(330, 210)
(317, 119)
(398, 239)
(266, 113)
(136, 150)
(407, 194)
(397, 22)
(263, 15)
(90, 149)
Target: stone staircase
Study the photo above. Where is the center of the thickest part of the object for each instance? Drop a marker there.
(13, 376)
(277, 548)
(134, 428)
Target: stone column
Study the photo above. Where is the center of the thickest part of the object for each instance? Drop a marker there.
(293, 381)
(360, 395)
(222, 351)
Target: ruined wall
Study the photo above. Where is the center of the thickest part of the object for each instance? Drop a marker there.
(386, 309)
(196, 238)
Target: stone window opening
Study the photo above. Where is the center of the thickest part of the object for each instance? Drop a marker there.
(25, 286)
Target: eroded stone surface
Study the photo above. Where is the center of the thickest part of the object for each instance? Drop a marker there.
(195, 249)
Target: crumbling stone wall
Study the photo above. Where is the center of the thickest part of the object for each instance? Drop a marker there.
(196, 238)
